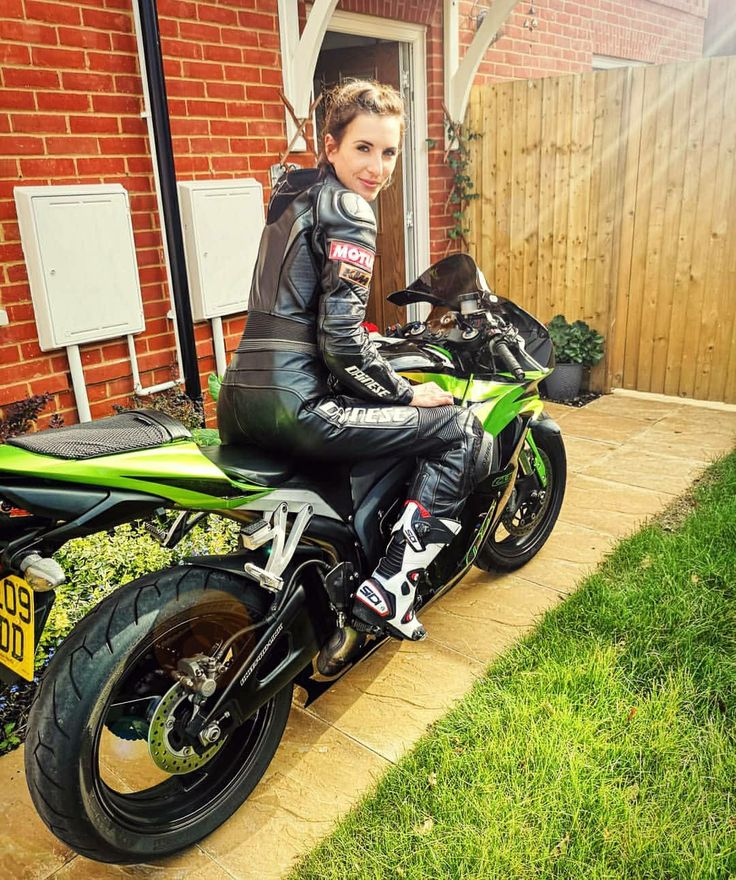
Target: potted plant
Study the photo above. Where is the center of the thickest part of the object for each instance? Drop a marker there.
(577, 345)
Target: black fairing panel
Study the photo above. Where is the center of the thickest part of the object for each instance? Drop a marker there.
(391, 487)
(53, 499)
(346, 487)
(364, 475)
(329, 480)
(508, 440)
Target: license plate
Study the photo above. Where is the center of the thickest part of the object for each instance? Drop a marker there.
(17, 645)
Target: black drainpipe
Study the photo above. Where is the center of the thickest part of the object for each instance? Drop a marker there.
(169, 197)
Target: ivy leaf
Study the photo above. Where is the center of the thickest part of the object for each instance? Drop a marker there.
(214, 383)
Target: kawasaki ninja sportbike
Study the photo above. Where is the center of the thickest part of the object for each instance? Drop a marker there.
(161, 711)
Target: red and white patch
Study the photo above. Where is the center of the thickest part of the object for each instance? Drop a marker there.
(346, 252)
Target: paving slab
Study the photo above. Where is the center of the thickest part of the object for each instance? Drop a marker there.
(627, 458)
(583, 453)
(658, 470)
(318, 773)
(600, 422)
(611, 508)
(28, 850)
(390, 699)
(192, 865)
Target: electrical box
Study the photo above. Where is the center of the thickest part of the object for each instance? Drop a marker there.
(222, 221)
(80, 253)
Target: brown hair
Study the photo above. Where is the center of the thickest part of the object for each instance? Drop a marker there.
(353, 97)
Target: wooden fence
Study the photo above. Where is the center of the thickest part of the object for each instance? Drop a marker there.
(611, 197)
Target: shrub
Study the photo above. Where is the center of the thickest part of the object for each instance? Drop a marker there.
(97, 565)
(19, 417)
(172, 402)
(575, 343)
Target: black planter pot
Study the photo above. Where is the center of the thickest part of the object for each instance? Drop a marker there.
(564, 383)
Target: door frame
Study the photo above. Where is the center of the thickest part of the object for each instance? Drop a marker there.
(416, 182)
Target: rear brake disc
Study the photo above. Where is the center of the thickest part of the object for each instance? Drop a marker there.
(167, 748)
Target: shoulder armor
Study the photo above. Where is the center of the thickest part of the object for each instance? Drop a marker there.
(354, 207)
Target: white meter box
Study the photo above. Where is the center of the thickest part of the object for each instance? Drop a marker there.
(80, 253)
(222, 221)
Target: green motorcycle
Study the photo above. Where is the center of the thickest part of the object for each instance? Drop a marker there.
(163, 708)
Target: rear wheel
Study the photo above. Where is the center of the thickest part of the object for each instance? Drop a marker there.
(108, 768)
(532, 510)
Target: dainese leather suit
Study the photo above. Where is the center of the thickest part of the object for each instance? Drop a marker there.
(306, 379)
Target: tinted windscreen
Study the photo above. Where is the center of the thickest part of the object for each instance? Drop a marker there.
(443, 283)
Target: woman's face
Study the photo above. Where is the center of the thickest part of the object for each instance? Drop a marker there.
(367, 154)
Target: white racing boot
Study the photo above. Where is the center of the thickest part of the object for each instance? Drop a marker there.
(386, 599)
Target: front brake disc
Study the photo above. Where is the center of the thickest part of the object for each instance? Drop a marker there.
(165, 744)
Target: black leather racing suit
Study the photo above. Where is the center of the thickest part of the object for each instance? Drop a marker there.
(306, 379)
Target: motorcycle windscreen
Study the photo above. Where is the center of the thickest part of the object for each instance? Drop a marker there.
(443, 283)
(446, 281)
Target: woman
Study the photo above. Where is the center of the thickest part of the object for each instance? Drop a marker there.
(307, 380)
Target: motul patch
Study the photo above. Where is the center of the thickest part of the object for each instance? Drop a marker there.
(346, 252)
(355, 275)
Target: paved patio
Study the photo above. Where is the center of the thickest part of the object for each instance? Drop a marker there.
(627, 459)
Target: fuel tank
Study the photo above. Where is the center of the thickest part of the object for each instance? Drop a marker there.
(414, 357)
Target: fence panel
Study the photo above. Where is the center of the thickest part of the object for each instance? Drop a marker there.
(611, 197)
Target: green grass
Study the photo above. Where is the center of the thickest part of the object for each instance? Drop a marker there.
(602, 746)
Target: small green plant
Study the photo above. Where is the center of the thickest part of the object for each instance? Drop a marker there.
(462, 191)
(576, 343)
(214, 383)
(206, 436)
(9, 739)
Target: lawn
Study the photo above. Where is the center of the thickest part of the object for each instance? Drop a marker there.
(602, 746)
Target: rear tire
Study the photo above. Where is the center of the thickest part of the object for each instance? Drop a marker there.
(100, 692)
(510, 546)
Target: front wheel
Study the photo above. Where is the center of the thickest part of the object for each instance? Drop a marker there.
(533, 508)
(106, 764)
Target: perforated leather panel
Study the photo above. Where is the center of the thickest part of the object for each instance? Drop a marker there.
(127, 432)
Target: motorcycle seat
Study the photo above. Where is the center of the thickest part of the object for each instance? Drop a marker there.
(127, 432)
(249, 463)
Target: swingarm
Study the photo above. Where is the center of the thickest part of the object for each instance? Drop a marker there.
(285, 644)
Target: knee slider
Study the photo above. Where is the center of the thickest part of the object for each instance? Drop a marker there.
(482, 446)
(484, 458)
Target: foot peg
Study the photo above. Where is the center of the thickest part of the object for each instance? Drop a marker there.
(257, 534)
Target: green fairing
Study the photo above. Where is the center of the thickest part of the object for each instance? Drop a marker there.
(146, 470)
(503, 401)
(538, 462)
(442, 350)
(456, 387)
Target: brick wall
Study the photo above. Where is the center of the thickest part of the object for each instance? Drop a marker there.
(564, 35)
(70, 112)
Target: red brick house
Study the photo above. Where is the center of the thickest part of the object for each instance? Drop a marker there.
(71, 99)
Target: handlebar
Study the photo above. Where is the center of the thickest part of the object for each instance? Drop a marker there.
(500, 349)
